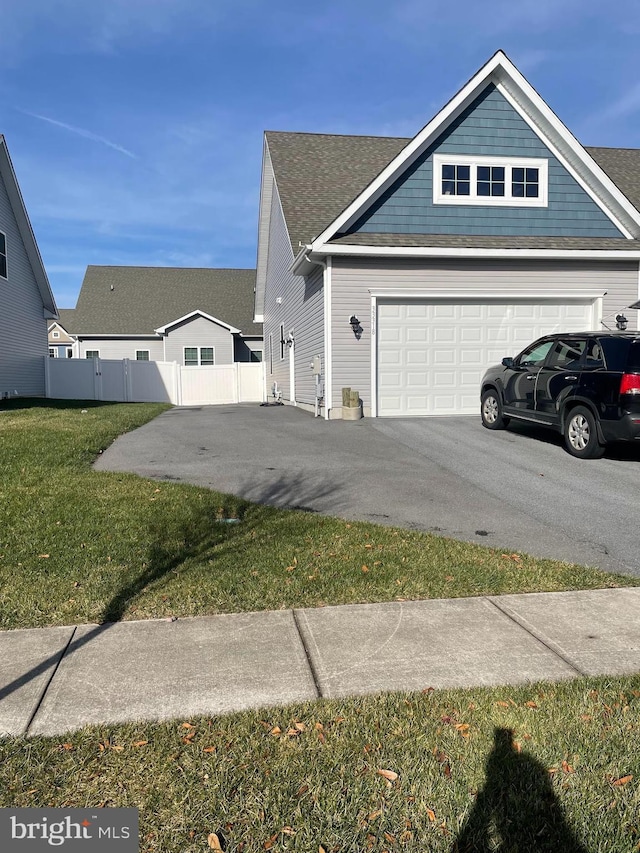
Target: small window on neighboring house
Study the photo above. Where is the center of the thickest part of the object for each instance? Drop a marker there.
(199, 356)
(142, 355)
(55, 334)
(281, 341)
(3, 255)
(256, 355)
(52, 352)
(92, 353)
(69, 352)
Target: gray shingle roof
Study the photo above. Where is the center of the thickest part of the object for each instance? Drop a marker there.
(319, 175)
(461, 241)
(138, 300)
(66, 318)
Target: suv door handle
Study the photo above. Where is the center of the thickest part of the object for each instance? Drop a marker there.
(570, 377)
(531, 376)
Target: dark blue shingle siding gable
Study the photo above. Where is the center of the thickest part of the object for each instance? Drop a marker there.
(489, 126)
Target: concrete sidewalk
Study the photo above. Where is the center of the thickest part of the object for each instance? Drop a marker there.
(57, 679)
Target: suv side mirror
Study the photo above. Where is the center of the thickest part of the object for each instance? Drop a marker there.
(508, 361)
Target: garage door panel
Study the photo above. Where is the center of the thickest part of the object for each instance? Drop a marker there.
(432, 353)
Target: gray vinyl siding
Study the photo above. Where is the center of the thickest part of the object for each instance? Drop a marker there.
(300, 310)
(117, 348)
(199, 332)
(352, 283)
(23, 328)
(488, 127)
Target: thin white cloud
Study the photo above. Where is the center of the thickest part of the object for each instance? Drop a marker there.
(86, 134)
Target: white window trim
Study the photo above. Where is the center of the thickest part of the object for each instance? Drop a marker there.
(282, 346)
(53, 352)
(148, 352)
(199, 351)
(542, 200)
(92, 350)
(55, 334)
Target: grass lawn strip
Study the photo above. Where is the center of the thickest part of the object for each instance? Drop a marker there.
(545, 767)
(81, 546)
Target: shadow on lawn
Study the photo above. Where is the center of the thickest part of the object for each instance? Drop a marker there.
(517, 810)
(186, 539)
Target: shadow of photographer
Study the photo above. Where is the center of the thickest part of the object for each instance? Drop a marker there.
(516, 810)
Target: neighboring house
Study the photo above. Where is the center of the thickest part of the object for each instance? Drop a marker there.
(190, 316)
(26, 300)
(60, 341)
(410, 265)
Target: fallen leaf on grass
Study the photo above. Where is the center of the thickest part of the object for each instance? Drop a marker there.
(268, 844)
(623, 780)
(140, 742)
(567, 768)
(389, 775)
(209, 749)
(43, 556)
(67, 746)
(188, 726)
(431, 815)
(214, 842)
(531, 704)
(275, 731)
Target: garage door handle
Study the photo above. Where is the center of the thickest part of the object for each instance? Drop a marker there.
(570, 377)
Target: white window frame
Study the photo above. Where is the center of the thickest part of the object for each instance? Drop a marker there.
(148, 358)
(509, 163)
(96, 351)
(5, 255)
(199, 356)
(55, 334)
(53, 352)
(281, 341)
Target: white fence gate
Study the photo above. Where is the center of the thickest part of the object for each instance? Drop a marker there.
(126, 381)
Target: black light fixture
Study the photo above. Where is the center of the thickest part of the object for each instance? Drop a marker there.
(621, 322)
(356, 328)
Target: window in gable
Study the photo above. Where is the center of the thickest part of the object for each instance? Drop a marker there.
(3, 255)
(516, 182)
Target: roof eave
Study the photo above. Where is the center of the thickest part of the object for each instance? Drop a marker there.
(346, 250)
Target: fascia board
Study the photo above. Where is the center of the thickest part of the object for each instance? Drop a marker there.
(26, 231)
(264, 216)
(163, 329)
(109, 335)
(414, 148)
(443, 252)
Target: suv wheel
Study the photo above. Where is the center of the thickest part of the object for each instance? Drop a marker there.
(491, 411)
(581, 434)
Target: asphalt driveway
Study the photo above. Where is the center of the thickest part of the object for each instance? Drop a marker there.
(517, 489)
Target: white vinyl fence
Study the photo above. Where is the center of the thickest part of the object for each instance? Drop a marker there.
(123, 380)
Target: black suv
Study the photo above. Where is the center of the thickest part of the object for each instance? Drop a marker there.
(586, 385)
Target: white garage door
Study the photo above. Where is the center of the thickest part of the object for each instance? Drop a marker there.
(432, 353)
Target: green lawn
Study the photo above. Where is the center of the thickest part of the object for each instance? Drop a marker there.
(82, 546)
(547, 767)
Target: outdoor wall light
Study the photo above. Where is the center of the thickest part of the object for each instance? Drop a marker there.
(355, 326)
(289, 340)
(621, 322)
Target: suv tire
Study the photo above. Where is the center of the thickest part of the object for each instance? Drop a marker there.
(581, 434)
(491, 411)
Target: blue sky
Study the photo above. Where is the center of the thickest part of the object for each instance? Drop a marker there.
(135, 126)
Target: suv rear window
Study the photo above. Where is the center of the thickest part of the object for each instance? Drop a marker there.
(633, 362)
(615, 352)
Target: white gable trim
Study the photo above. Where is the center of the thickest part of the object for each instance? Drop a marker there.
(164, 329)
(445, 252)
(523, 97)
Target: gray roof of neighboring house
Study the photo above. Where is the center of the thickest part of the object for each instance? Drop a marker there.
(139, 300)
(66, 319)
(319, 175)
